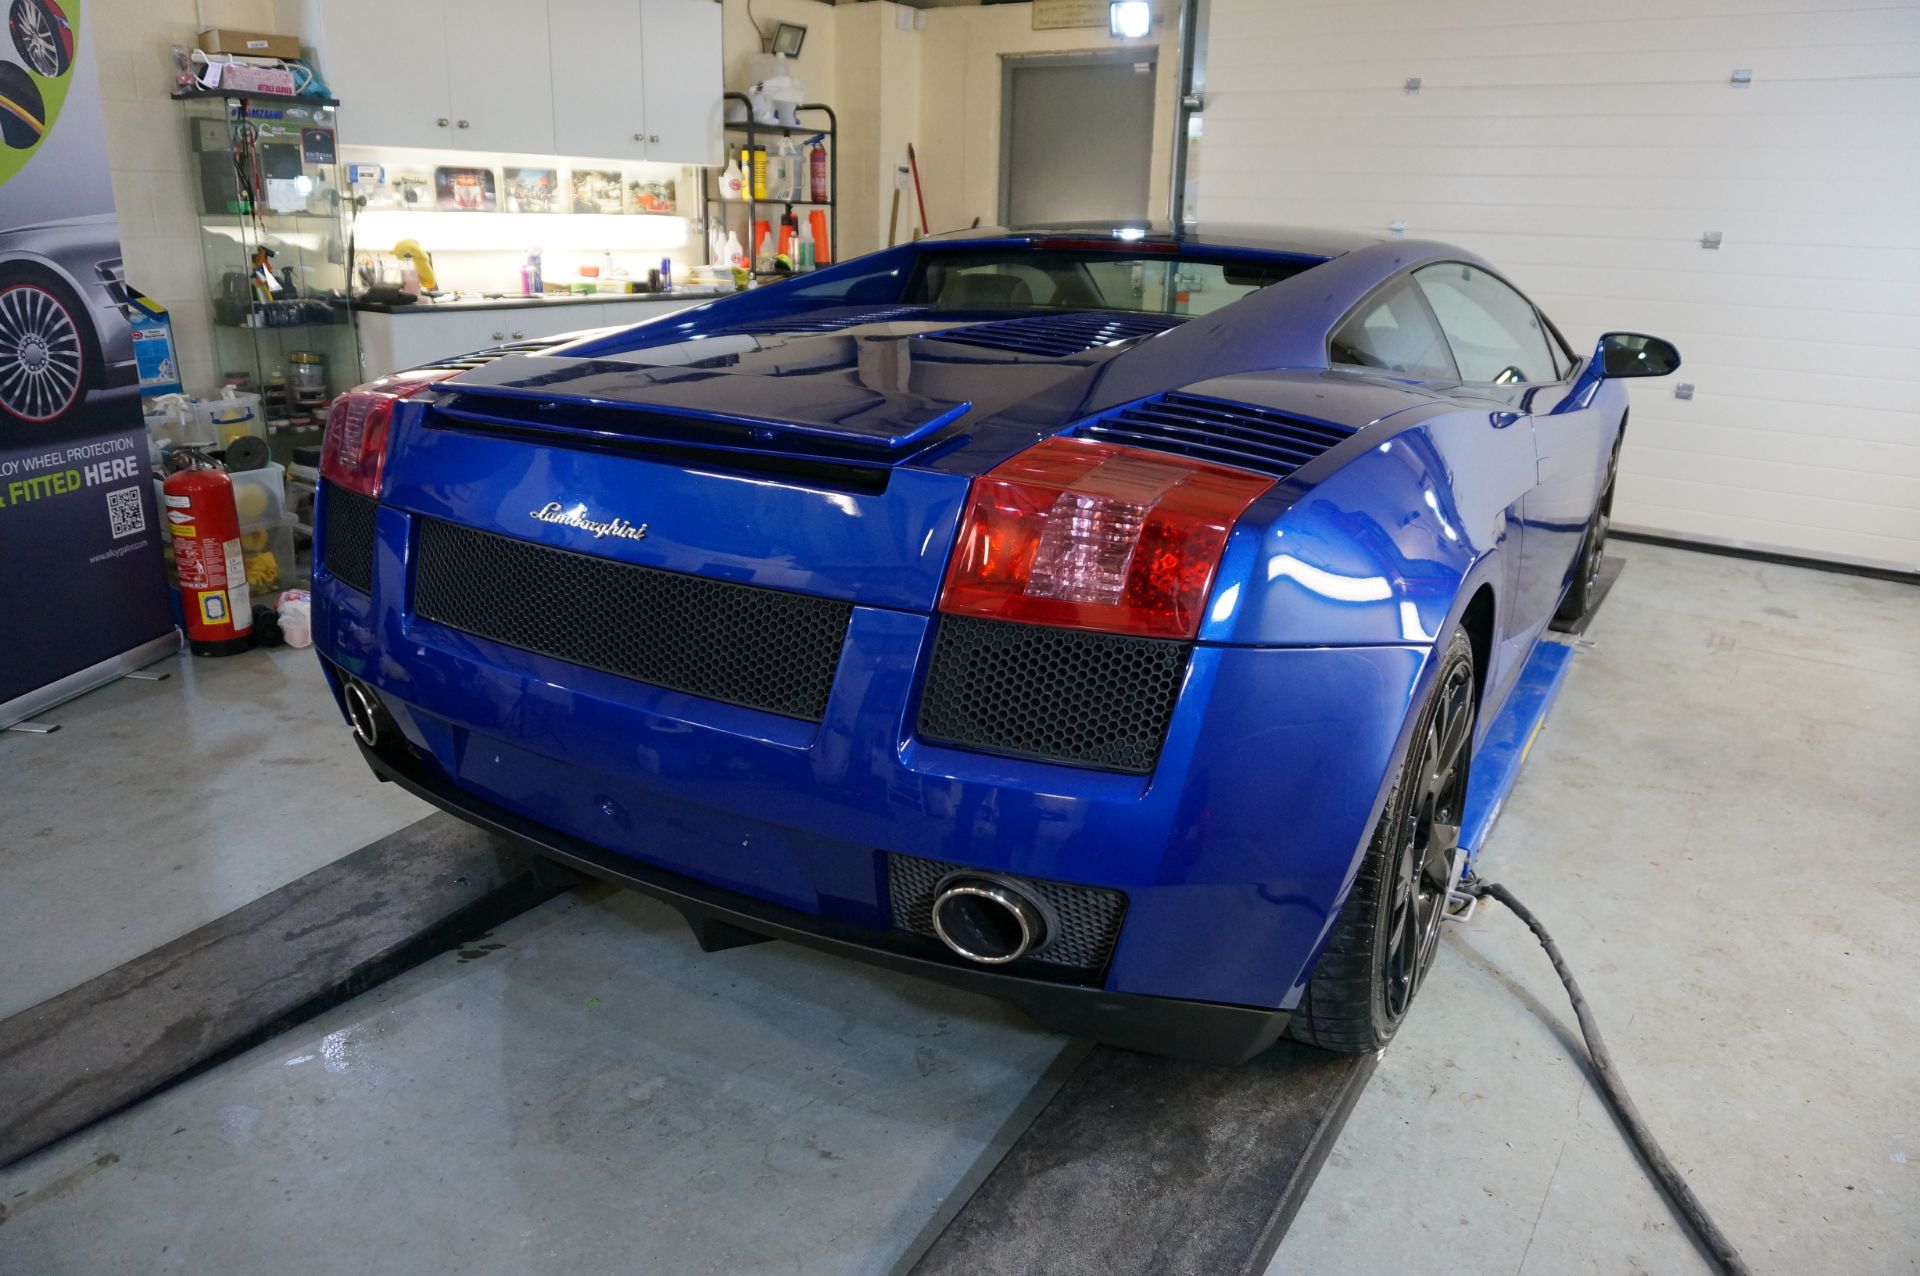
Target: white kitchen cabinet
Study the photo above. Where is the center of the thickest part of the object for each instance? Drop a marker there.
(599, 108)
(500, 88)
(661, 103)
(386, 62)
(680, 79)
(600, 79)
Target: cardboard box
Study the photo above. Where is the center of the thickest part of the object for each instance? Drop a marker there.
(251, 44)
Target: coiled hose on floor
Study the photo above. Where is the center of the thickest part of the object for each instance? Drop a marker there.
(1718, 1247)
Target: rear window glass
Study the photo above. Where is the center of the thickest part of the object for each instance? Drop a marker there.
(1066, 280)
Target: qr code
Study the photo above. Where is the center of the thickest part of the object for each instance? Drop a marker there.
(124, 512)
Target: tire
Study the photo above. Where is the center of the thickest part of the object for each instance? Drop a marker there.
(1388, 932)
(49, 356)
(41, 36)
(1584, 590)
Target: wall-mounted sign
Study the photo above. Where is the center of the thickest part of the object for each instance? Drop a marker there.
(1050, 15)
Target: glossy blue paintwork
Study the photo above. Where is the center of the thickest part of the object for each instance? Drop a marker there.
(1235, 854)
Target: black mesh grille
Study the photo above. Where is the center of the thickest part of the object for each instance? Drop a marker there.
(1056, 694)
(348, 552)
(761, 648)
(1082, 921)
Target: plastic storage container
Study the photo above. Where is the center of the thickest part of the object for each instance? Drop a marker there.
(260, 496)
(268, 554)
(222, 420)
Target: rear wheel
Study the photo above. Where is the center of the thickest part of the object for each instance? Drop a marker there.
(1386, 936)
(1584, 590)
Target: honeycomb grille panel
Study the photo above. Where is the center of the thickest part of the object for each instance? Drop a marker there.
(1060, 695)
(1087, 917)
(348, 551)
(759, 648)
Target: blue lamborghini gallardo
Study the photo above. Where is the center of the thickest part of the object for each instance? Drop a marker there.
(1102, 619)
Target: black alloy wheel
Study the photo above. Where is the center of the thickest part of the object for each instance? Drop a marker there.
(1388, 934)
(1584, 589)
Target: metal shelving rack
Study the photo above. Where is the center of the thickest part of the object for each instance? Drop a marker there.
(751, 131)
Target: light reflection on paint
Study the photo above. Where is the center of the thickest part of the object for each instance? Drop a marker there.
(1341, 589)
(1433, 503)
(1223, 606)
(1410, 629)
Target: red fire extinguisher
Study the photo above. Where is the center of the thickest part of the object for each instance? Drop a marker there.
(205, 524)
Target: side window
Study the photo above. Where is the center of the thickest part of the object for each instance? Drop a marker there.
(1394, 331)
(1495, 333)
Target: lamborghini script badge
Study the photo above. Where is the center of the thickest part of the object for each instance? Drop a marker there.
(576, 516)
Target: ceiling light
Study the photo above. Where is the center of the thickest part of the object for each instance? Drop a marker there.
(1130, 19)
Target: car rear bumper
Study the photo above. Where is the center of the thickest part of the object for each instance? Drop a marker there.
(1233, 855)
(1206, 1031)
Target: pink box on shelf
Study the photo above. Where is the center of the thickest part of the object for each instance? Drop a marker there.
(237, 78)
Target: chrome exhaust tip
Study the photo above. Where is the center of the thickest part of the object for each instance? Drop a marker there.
(364, 713)
(987, 920)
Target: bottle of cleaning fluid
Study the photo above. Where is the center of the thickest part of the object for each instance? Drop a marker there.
(805, 261)
(732, 183)
(735, 255)
(793, 171)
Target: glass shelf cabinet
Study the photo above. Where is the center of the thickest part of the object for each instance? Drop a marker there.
(274, 241)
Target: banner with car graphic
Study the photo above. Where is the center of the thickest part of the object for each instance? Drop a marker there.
(83, 595)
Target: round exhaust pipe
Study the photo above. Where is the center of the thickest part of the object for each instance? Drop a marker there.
(364, 713)
(987, 920)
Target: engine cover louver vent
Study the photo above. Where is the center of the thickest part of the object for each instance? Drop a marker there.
(804, 324)
(1053, 336)
(1218, 430)
(480, 358)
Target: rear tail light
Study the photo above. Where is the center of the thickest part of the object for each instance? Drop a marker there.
(354, 451)
(1088, 535)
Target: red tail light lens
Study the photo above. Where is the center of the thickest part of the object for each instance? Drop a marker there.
(1089, 535)
(354, 451)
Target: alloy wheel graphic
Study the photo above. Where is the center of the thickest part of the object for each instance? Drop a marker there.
(41, 359)
(42, 36)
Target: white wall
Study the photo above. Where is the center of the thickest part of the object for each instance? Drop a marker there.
(1584, 150)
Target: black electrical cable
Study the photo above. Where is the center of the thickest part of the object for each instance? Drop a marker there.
(1725, 1257)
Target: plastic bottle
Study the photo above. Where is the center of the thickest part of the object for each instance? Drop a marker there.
(732, 184)
(759, 161)
(539, 273)
(806, 247)
(817, 169)
(666, 274)
(736, 255)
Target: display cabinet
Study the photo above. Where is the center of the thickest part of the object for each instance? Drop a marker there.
(275, 242)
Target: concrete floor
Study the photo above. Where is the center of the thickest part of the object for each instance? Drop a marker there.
(159, 806)
(1718, 823)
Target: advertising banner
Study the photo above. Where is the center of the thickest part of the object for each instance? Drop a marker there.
(83, 595)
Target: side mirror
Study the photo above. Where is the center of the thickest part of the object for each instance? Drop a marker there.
(1634, 354)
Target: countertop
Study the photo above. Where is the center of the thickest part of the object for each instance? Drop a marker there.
(485, 301)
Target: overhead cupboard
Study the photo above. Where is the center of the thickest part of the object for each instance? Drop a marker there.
(615, 79)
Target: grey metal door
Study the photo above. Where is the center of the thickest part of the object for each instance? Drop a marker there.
(1077, 138)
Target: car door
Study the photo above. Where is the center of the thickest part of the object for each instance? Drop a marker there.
(1506, 352)
(1394, 332)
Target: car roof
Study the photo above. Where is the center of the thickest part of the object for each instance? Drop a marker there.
(1291, 240)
